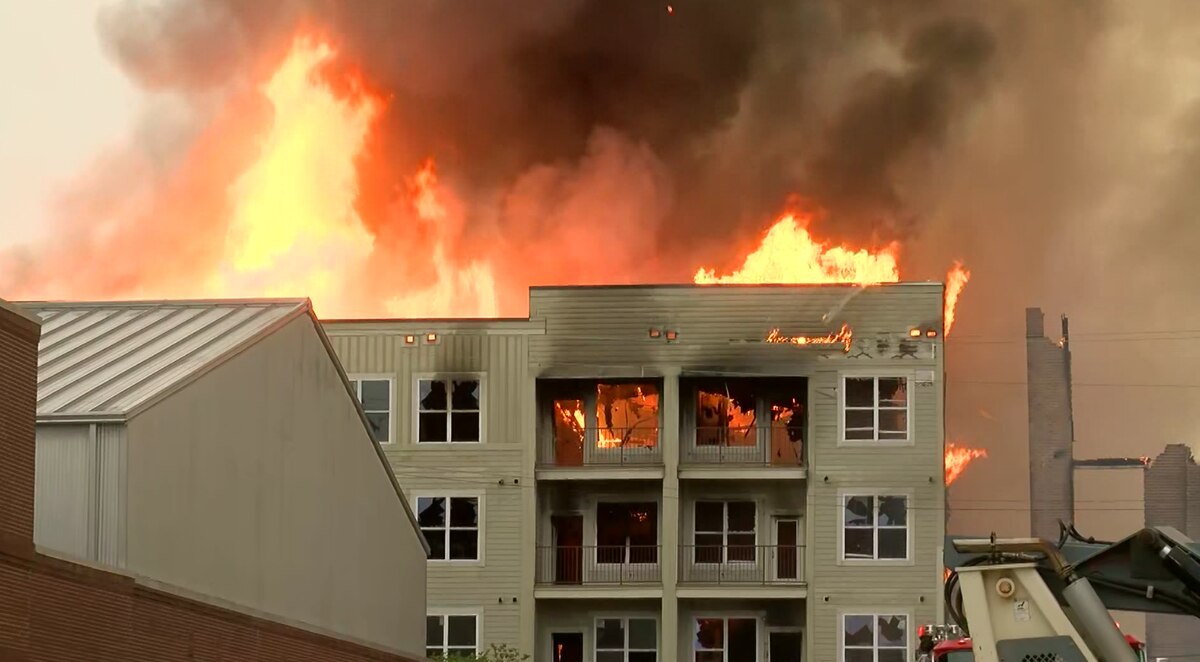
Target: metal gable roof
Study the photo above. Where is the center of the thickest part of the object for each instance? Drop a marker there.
(106, 360)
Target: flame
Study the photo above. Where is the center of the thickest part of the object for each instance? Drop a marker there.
(635, 417)
(957, 459)
(843, 337)
(956, 280)
(789, 254)
(293, 230)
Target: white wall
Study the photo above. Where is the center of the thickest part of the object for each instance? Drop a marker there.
(258, 484)
(79, 492)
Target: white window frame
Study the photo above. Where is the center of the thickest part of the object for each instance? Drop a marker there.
(447, 377)
(758, 619)
(446, 612)
(479, 524)
(874, 613)
(910, 381)
(356, 382)
(845, 494)
(625, 617)
(591, 524)
(724, 501)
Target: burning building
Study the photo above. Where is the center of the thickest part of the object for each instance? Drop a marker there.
(1051, 427)
(728, 468)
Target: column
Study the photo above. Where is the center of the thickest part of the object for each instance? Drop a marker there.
(669, 558)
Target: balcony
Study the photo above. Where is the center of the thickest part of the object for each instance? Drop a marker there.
(748, 446)
(601, 447)
(573, 566)
(741, 565)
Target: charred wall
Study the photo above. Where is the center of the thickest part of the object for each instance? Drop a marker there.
(1051, 427)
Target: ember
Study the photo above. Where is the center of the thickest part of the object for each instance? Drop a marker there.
(843, 337)
(957, 459)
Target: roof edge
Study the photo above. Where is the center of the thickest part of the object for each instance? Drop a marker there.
(108, 303)
(707, 286)
(362, 415)
(20, 314)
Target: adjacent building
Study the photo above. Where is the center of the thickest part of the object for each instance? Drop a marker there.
(216, 450)
(700, 473)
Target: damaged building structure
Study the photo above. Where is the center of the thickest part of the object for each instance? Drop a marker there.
(1167, 486)
(732, 472)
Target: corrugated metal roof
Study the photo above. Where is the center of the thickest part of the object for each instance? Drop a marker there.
(103, 360)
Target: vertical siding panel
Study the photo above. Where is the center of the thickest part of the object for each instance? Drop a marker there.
(111, 453)
(62, 499)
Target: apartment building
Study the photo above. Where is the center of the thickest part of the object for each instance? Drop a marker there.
(700, 473)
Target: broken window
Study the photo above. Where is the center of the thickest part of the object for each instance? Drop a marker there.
(724, 531)
(874, 638)
(725, 640)
(764, 418)
(875, 409)
(453, 535)
(726, 414)
(627, 415)
(448, 410)
(627, 532)
(875, 527)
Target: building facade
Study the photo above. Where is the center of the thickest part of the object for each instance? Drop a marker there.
(216, 447)
(732, 473)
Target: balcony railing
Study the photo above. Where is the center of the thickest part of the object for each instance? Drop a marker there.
(598, 565)
(604, 447)
(751, 445)
(741, 564)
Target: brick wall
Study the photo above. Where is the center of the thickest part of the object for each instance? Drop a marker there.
(1173, 499)
(18, 401)
(1051, 430)
(53, 610)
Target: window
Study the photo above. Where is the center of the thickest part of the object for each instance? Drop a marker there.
(448, 410)
(874, 638)
(452, 536)
(626, 640)
(725, 640)
(451, 634)
(627, 532)
(375, 395)
(876, 409)
(725, 531)
(875, 527)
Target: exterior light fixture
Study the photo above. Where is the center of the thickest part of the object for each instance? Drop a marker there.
(672, 336)
(431, 337)
(932, 333)
(408, 340)
(914, 333)
(654, 333)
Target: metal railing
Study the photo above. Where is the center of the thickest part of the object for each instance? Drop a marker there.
(741, 564)
(604, 447)
(583, 565)
(751, 445)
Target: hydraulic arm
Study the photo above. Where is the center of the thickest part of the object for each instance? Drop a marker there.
(1022, 597)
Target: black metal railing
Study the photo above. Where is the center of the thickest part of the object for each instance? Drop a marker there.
(603, 447)
(741, 564)
(750, 445)
(582, 565)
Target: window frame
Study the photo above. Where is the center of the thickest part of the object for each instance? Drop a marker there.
(591, 525)
(910, 380)
(725, 501)
(876, 493)
(626, 617)
(874, 613)
(479, 524)
(415, 425)
(446, 612)
(356, 380)
(757, 617)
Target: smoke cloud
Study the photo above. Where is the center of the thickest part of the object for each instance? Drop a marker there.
(1050, 145)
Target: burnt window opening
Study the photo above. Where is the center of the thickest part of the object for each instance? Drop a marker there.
(745, 414)
(627, 532)
(599, 416)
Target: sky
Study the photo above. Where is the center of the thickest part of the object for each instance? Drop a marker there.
(73, 103)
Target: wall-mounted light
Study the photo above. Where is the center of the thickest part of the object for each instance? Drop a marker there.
(408, 340)
(914, 333)
(654, 333)
(932, 333)
(431, 337)
(672, 336)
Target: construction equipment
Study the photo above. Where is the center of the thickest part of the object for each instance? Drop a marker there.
(1030, 600)
(947, 643)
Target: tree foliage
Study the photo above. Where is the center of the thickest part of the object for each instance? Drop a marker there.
(493, 653)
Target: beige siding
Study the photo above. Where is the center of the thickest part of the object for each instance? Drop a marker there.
(494, 469)
(258, 483)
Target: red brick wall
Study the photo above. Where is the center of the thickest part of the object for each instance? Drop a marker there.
(56, 611)
(18, 402)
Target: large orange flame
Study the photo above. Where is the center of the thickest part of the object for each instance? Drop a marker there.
(789, 254)
(956, 280)
(957, 459)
